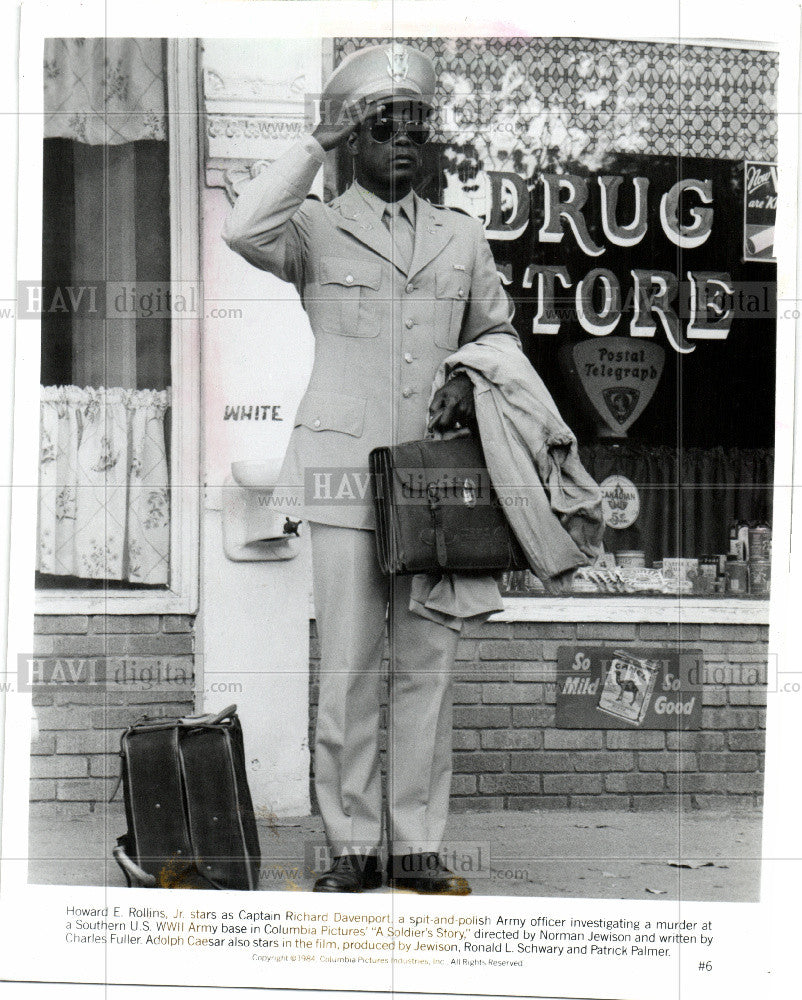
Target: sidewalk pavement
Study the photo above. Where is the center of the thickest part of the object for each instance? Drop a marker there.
(599, 855)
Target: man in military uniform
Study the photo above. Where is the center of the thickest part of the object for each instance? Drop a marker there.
(392, 285)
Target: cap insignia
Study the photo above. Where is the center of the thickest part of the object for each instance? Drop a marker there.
(397, 64)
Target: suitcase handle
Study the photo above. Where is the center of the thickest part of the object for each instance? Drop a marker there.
(134, 875)
(159, 722)
(209, 719)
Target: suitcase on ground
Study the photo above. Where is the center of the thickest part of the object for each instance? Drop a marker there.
(436, 510)
(189, 811)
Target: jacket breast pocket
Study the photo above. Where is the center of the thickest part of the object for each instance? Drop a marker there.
(348, 292)
(451, 293)
(332, 411)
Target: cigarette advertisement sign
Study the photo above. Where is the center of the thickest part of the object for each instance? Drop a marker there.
(603, 687)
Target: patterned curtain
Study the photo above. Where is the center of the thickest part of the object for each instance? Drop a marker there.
(104, 90)
(103, 484)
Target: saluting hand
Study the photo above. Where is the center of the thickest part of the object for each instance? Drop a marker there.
(452, 405)
(331, 133)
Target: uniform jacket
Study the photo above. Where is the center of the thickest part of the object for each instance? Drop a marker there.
(380, 332)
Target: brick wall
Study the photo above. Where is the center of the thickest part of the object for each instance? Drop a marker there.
(508, 753)
(74, 760)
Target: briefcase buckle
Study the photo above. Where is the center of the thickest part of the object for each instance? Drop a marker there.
(435, 507)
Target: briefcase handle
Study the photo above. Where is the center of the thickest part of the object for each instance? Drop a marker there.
(449, 435)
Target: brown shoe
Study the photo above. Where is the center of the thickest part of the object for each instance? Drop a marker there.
(425, 874)
(350, 873)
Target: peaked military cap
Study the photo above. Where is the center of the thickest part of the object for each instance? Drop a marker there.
(380, 72)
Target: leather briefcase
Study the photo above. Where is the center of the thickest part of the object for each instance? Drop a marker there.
(190, 817)
(436, 510)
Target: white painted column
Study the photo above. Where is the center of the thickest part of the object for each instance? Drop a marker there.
(253, 633)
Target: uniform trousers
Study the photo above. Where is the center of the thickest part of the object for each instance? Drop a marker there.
(352, 599)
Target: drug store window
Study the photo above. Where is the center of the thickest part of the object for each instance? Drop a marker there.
(119, 304)
(662, 349)
(628, 192)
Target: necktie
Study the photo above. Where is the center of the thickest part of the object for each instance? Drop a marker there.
(401, 231)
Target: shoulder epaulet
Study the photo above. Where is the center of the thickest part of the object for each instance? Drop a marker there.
(452, 208)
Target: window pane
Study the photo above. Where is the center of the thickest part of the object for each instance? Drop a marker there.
(103, 502)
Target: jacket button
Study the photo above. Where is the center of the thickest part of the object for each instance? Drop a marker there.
(408, 358)
(406, 393)
(410, 287)
(409, 324)
(460, 293)
(316, 423)
(350, 279)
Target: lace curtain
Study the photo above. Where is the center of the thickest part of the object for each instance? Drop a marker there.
(103, 484)
(104, 91)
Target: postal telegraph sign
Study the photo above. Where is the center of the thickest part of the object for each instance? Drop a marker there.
(607, 687)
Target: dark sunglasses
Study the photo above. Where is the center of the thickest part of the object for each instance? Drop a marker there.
(384, 129)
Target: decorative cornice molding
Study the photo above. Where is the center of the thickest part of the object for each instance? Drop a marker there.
(257, 101)
(219, 88)
(244, 138)
(269, 128)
